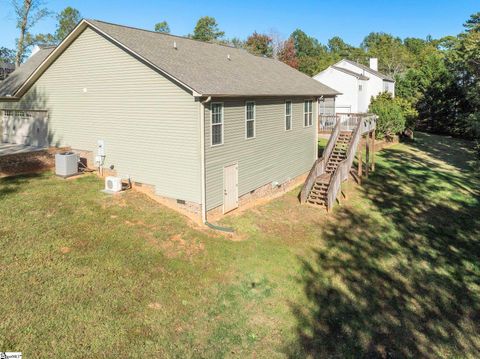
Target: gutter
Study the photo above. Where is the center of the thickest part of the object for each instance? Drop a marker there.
(9, 98)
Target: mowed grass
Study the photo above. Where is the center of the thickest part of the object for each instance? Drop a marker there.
(392, 272)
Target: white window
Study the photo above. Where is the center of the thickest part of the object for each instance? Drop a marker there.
(216, 112)
(360, 87)
(288, 115)
(249, 119)
(308, 113)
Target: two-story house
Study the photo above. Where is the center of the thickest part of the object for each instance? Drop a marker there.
(357, 84)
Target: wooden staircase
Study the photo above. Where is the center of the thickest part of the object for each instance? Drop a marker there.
(318, 194)
(324, 181)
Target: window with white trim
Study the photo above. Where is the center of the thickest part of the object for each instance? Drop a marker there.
(308, 113)
(216, 112)
(288, 115)
(249, 119)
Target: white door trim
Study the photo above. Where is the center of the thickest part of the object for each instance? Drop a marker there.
(224, 193)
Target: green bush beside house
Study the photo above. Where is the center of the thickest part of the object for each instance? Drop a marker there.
(394, 115)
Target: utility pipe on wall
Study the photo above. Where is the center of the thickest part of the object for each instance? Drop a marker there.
(202, 156)
(203, 171)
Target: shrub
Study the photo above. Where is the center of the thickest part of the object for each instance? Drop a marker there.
(393, 114)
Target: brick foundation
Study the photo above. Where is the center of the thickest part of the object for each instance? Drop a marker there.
(260, 195)
(45, 160)
(190, 209)
(193, 210)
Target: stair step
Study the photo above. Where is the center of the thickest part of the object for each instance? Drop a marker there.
(319, 203)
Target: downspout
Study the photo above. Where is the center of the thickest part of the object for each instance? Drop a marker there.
(202, 158)
(203, 171)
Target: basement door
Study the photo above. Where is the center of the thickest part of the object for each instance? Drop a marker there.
(230, 188)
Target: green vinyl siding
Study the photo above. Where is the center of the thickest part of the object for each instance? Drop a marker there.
(95, 90)
(273, 155)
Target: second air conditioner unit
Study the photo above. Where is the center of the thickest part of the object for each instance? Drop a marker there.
(113, 184)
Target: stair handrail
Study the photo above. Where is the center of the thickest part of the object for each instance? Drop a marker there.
(341, 172)
(318, 167)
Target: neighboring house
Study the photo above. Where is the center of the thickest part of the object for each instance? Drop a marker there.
(5, 70)
(356, 83)
(206, 125)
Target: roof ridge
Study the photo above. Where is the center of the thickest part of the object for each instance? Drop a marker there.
(166, 34)
(367, 68)
(182, 37)
(350, 72)
(249, 75)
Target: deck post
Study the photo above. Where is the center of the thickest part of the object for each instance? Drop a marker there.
(344, 190)
(360, 165)
(367, 154)
(373, 151)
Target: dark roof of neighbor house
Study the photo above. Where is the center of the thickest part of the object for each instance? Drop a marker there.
(349, 72)
(6, 65)
(214, 69)
(17, 78)
(368, 69)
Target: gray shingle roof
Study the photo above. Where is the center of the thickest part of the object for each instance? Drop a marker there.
(7, 66)
(18, 77)
(213, 69)
(358, 76)
(368, 69)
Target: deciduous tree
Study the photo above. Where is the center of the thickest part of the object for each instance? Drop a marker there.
(27, 14)
(67, 19)
(393, 56)
(288, 54)
(259, 44)
(162, 27)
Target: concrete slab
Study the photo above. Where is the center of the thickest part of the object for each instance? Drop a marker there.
(13, 149)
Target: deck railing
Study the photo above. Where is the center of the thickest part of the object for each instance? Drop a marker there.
(348, 121)
(366, 124)
(318, 167)
(326, 123)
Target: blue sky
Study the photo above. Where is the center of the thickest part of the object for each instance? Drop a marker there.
(349, 19)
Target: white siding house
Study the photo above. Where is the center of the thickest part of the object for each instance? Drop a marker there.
(357, 84)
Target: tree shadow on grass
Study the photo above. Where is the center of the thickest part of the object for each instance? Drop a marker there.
(400, 279)
(447, 149)
(13, 184)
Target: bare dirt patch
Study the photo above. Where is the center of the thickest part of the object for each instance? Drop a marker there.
(177, 246)
(155, 306)
(65, 250)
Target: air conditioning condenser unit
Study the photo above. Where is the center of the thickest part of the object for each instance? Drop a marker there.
(113, 184)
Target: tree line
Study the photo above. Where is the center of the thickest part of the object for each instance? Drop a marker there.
(437, 80)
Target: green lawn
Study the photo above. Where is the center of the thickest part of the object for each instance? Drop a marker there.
(394, 272)
(322, 143)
